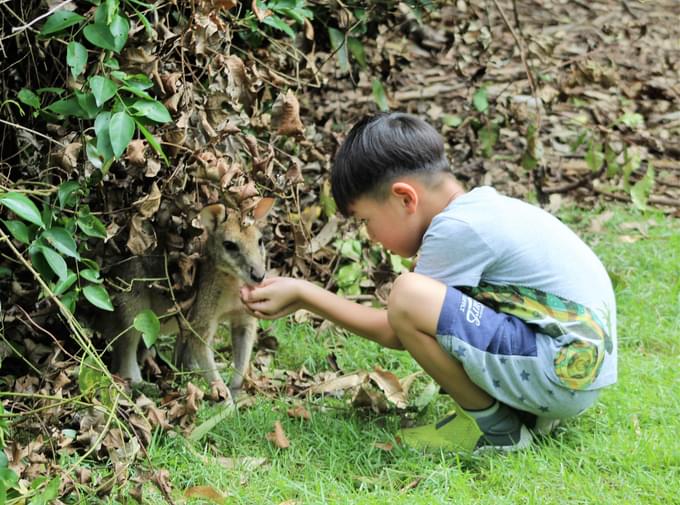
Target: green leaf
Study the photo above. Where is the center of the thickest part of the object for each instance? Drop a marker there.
(278, 23)
(90, 225)
(55, 261)
(480, 100)
(67, 193)
(119, 29)
(69, 300)
(60, 20)
(101, 129)
(148, 324)
(88, 104)
(339, 47)
(121, 130)
(62, 241)
(138, 81)
(64, 284)
(153, 110)
(349, 275)
(90, 376)
(153, 141)
(452, 120)
(67, 107)
(356, 49)
(379, 95)
(111, 8)
(98, 296)
(594, 156)
(4, 272)
(76, 57)
(488, 136)
(631, 119)
(22, 207)
(99, 35)
(102, 88)
(51, 490)
(29, 98)
(19, 231)
(137, 92)
(641, 190)
(91, 275)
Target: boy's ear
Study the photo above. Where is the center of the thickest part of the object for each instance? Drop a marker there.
(407, 194)
(212, 215)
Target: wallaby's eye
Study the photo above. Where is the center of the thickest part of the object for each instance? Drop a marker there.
(230, 246)
(260, 242)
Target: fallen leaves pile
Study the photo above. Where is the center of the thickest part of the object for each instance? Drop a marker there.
(560, 101)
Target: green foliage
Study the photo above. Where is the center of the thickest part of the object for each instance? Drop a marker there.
(107, 96)
(148, 324)
(54, 240)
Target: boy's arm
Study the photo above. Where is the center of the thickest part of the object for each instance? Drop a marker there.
(279, 296)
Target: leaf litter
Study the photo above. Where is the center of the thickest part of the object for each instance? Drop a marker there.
(604, 69)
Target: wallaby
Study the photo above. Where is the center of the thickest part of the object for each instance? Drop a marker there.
(234, 256)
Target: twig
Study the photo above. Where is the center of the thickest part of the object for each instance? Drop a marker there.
(539, 170)
(48, 13)
(32, 131)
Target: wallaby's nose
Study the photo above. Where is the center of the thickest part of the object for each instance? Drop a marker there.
(256, 275)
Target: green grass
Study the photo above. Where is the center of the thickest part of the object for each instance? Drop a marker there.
(625, 449)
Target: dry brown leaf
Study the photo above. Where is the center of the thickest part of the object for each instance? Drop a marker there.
(247, 463)
(278, 436)
(340, 383)
(598, 222)
(384, 446)
(140, 240)
(207, 493)
(259, 13)
(391, 386)
(286, 115)
(135, 152)
(149, 204)
(411, 485)
(224, 4)
(300, 412)
(367, 398)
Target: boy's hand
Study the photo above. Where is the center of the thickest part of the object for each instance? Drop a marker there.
(273, 298)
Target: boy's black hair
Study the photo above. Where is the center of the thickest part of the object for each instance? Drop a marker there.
(380, 148)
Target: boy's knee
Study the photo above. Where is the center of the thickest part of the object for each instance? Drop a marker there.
(402, 303)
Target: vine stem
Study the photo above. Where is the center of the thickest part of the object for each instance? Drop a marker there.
(32, 131)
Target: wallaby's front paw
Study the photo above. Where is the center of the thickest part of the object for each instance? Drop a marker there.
(219, 390)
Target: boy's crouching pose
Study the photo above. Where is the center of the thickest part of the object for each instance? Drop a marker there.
(508, 310)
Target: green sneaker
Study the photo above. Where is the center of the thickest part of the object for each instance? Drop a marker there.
(457, 432)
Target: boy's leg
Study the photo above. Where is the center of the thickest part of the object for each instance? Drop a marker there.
(414, 310)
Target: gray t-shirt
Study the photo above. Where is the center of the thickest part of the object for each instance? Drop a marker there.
(485, 237)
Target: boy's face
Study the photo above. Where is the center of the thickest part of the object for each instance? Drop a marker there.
(389, 222)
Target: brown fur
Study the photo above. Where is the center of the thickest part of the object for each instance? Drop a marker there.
(234, 256)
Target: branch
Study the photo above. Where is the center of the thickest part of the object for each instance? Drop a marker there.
(48, 13)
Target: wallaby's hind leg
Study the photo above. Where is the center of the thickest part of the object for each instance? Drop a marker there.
(194, 353)
(243, 335)
(124, 356)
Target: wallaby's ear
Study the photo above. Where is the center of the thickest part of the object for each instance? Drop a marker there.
(212, 215)
(263, 208)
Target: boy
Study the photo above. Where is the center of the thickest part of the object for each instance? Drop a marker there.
(508, 310)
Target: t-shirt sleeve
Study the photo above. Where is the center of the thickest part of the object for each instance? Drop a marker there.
(452, 252)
